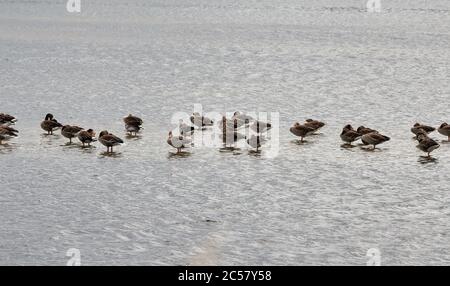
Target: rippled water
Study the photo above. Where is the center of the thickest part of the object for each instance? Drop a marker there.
(315, 203)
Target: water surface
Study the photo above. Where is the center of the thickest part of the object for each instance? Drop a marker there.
(313, 204)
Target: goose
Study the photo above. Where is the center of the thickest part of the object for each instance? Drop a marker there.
(178, 142)
(349, 135)
(260, 127)
(185, 129)
(315, 124)
(301, 130)
(87, 137)
(426, 144)
(374, 138)
(50, 124)
(444, 129)
(133, 124)
(109, 140)
(70, 132)
(7, 133)
(364, 130)
(201, 121)
(256, 142)
(6, 119)
(417, 127)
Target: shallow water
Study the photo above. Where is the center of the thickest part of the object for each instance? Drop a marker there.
(315, 203)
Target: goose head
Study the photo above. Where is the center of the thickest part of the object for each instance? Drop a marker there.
(91, 132)
(348, 127)
(103, 133)
(49, 116)
(422, 137)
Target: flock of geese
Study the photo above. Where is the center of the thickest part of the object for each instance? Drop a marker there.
(230, 132)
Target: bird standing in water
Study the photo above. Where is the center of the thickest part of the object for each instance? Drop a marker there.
(50, 124)
(87, 137)
(109, 140)
(133, 124)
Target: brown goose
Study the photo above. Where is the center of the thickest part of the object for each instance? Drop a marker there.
(364, 130)
(133, 124)
(201, 121)
(87, 137)
(70, 132)
(109, 140)
(444, 129)
(349, 135)
(7, 133)
(426, 144)
(179, 142)
(6, 119)
(301, 130)
(417, 127)
(50, 124)
(315, 124)
(374, 138)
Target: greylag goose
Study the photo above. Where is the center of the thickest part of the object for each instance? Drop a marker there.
(363, 131)
(349, 135)
(417, 127)
(50, 124)
(179, 142)
(7, 133)
(87, 137)
(201, 121)
(301, 130)
(426, 144)
(109, 140)
(70, 132)
(444, 129)
(133, 124)
(374, 138)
